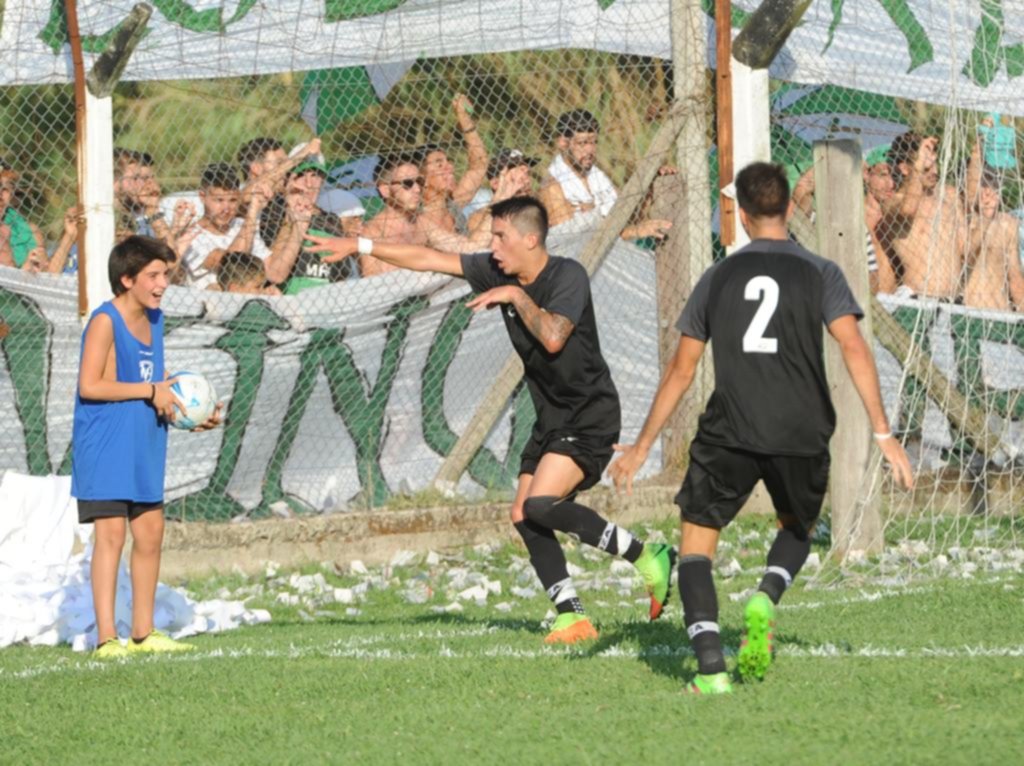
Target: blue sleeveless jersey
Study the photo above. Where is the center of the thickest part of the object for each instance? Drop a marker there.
(119, 449)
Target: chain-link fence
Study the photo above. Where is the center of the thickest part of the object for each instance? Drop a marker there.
(348, 388)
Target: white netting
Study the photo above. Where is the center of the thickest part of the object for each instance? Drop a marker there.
(345, 394)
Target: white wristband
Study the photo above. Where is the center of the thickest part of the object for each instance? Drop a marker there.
(883, 437)
(364, 246)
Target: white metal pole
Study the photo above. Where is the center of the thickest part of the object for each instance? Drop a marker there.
(98, 196)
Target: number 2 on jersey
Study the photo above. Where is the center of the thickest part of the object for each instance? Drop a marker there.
(766, 290)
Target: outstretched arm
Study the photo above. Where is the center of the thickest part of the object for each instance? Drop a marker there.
(674, 384)
(412, 257)
(552, 330)
(861, 365)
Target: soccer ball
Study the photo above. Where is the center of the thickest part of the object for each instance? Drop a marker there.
(198, 397)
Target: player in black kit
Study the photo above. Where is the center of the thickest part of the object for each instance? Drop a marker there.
(546, 305)
(770, 416)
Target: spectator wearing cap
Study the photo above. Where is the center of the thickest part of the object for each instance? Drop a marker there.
(290, 266)
(220, 230)
(20, 241)
(574, 183)
(508, 175)
(400, 186)
(995, 279)
(443, 198)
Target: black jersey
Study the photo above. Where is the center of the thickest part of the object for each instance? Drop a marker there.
(763, 309)
(572, 390)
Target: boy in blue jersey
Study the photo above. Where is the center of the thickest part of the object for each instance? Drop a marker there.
(119, 442)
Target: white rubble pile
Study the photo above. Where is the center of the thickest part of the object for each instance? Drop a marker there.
(47, 594)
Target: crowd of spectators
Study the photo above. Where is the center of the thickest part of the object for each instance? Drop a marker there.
(246, 228)
(932, 239)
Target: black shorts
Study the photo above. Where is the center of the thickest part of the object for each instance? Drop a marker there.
(90, 510)
(720, 479)
(591, 453)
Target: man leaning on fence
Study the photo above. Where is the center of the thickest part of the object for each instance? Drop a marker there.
(574, 184)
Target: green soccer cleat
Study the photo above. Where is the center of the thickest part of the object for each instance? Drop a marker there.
(158, 642)
(755, 653)
(111, 649)
(655, 565)
(715, 683)
(571, 628)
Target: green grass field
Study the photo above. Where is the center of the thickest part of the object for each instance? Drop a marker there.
(932, 672)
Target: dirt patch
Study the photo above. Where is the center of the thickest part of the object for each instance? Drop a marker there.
(199, 548)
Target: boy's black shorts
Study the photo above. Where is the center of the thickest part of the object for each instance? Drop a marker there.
(90, 510)
(720, 479)
(591, 453)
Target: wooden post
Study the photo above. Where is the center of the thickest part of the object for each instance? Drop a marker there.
(856, 514)
(723, 117)
(593, 255)
(693, 235)
(78, 66)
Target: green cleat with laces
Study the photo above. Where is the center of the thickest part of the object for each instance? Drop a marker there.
(111, 649)
(756, 650)
(158, 642)
(714, 683)
(655, 565)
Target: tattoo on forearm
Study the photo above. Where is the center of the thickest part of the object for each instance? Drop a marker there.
(543, 326)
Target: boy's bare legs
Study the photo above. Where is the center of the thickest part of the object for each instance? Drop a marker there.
(147, 539)
(108, 542)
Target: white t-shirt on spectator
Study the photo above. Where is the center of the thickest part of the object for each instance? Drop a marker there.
(207, 242)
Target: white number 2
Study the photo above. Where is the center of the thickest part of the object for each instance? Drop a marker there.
(766, 290)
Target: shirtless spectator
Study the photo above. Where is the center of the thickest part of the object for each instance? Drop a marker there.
(923, 222)
(399, 184)
(20, 241)
(574, 184)
(508, 175)
(220, 230)
(878, 191)
(443, 196)
(994, 278)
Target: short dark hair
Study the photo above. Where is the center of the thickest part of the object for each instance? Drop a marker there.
(904, 148)
(422, 152)
(239, 267)
(762, 190)
(254, 151)
(125, 157)
(388, 162)
(576, 121)
(219, 175)
(132, 255)
(527, 214)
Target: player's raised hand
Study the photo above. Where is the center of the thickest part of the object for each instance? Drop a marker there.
(494, 297)
(898, 461)
(213, 421)
(624, 467)
(332, 249)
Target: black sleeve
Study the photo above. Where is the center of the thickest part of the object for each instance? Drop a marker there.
(693, 322)
(836, 298)
(570, 292)
(481, 273)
